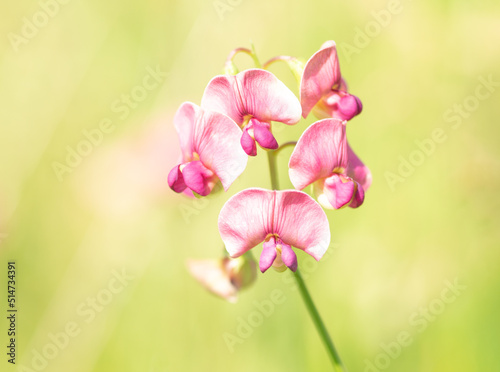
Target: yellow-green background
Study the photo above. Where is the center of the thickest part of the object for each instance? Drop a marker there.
(114, 211)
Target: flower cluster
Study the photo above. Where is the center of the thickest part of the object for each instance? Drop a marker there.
(234, 119)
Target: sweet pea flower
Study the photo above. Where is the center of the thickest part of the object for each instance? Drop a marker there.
(224, 277)
(210, 150)
(323, 158)
(322, 88)
(280, 219)
(253, 98)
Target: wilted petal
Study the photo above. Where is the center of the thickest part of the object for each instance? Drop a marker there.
(357, 170)
(262, 134)
(213, 275)
(246, 219)
(321, 75)
(321, 149)
(300, 222)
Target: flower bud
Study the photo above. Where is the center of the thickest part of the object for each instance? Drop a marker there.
(224, 277)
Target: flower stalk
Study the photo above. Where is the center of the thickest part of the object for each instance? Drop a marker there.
(306, 297)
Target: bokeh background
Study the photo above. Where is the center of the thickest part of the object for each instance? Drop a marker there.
(110, 214)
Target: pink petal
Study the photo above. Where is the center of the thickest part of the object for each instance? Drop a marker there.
(249, 216)
(263, 135)
(357, 170)
(321, 75)
(268, 255)
(246, 219)
(248, 143)
(349, 107)
(321, 148)
(222, 95)
(339, 190)
(253, 92)
(185, 120)
(176, 180)
(359, 197)
(266, 98)
(300, 222)
(198, 178)
(289, 257)
(217, 141)
(339, 105)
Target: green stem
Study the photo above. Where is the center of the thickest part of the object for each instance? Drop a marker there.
(271, 158)
(254, 56)
(274, 60)
(286, 144)
(311, 308)
(320, 326)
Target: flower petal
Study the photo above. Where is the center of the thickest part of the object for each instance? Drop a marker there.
(357, 170)
(254, 92)
(321, 148)
(262, 134)
(248, 143)
(321, 75)
(349, 106)
(249, 216)
(246, 219)
(300, 222)
(176, 180)
(222, 95)
(266, 98)
(268, 255)
(184, 121)
(339, 105)
(359, 197)
(198, 178)
(289, 257)
(339, 190)
(217, 141)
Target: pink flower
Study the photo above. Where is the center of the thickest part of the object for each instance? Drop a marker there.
(210, 150)
(322, 88)
(280, 219)
(224, 277)
(322, 157)
(253, 98)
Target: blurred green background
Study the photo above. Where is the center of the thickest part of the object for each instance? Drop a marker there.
(74, 230)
